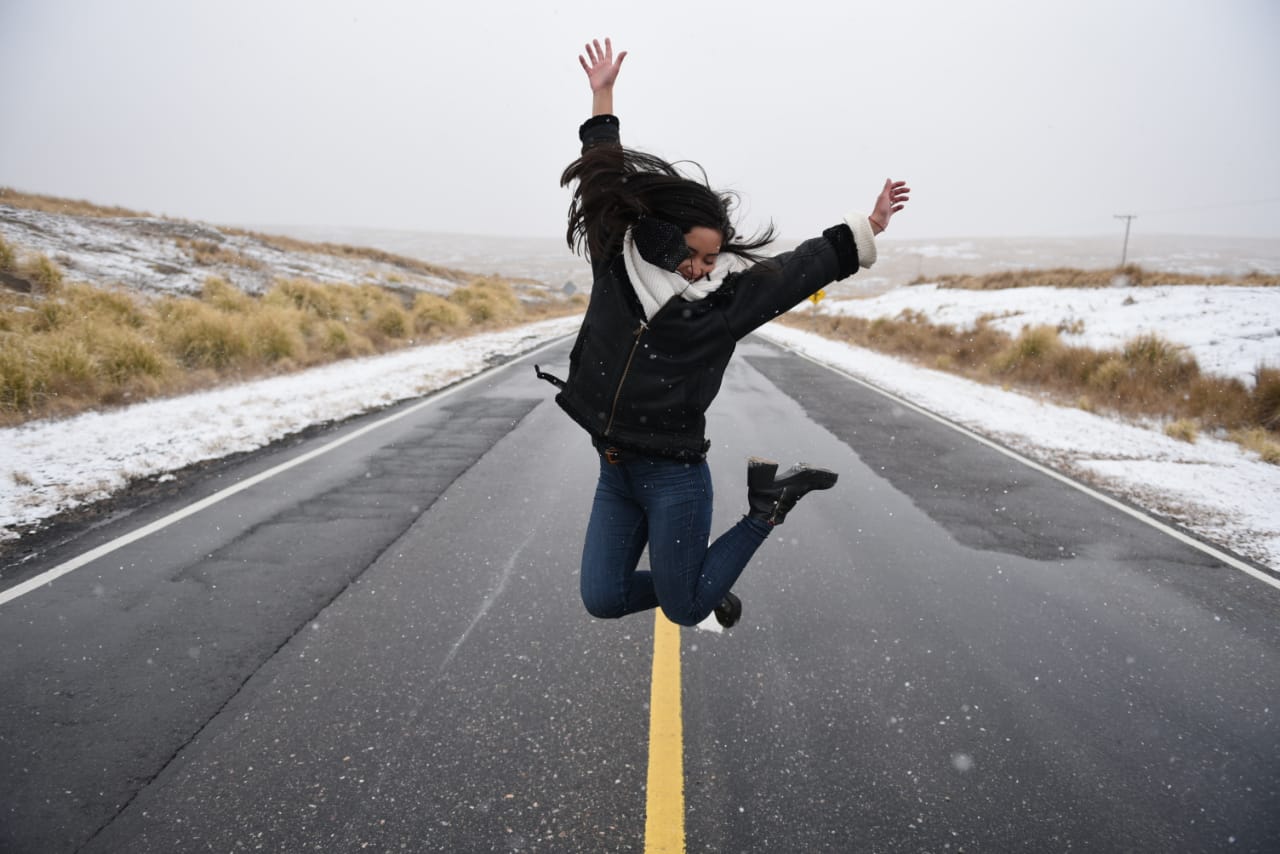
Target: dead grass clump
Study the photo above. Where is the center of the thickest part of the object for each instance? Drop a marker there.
(1261, 442)
(125, 356)
(1033, 348)
(29, 273)
(276, 338)
(377, 314)
(1265, 398)
(336, 341)
(1155, 360)
(210, 253)
(225, 297)
(304, 295)
(391, 321)
(69, 351)
(41, 272)
(50, 314)
(435, 316)
(1258, 279)
(1070, 277)
(8, 256)
(488, 302)
(1184, 430)
(1108, 376)
(67, 363)
(109, 305)
(1218, 401)
(200, 336)
(18, 389)
(1038, 358)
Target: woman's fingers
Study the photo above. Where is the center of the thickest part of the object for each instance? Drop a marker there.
(597, 55)
(893, 198)
(600, 64)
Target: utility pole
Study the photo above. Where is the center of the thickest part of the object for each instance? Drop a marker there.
(1128, 220)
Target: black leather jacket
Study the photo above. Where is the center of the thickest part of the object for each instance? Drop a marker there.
(645, 385)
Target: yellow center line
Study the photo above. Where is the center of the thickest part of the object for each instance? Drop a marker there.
(664, 806)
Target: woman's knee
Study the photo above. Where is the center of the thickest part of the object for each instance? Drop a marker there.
(604, 606)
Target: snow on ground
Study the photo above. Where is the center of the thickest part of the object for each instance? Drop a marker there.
(1229, 330)
(1213, 488)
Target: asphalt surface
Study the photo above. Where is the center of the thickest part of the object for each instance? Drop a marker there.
(382, 649)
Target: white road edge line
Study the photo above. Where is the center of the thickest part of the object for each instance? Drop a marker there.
(75, 563)
(1229, 560)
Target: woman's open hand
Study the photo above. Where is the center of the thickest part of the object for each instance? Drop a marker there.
(892, 199)
(600, 65)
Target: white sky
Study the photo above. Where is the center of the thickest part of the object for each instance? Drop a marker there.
(1008, 118)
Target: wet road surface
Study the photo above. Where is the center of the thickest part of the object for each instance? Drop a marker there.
(382, 649)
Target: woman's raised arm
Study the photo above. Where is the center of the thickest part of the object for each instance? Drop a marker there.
(602, 70)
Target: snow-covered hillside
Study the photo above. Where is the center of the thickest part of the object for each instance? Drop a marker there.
(156, 255)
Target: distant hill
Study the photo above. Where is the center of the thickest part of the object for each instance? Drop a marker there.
(112, 246)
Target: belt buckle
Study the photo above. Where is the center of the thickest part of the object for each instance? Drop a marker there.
(613, 455)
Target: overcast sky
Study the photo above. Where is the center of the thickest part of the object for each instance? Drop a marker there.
(1007, 118)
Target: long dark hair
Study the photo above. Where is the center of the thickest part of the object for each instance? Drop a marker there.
(616, 186)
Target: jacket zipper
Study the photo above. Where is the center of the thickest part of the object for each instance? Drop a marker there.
(617, 395)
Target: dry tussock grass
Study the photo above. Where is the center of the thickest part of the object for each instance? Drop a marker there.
(1261, 442)
(30, 271)
(70, 348)
(209, 253)
(1069, 277)
(70, 207)
(1149, 377)
(1184, 430)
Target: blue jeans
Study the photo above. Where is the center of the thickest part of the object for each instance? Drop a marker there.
(665, 504)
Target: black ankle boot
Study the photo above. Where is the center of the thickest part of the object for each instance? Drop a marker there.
(729, 611)
(772, 497)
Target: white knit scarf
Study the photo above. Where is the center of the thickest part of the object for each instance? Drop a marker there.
(655, 286)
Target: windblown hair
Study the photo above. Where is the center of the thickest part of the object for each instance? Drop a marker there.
(616, 186)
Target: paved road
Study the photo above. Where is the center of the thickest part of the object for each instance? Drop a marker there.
(381, 649)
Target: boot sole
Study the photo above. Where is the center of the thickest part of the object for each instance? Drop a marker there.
(807, 477)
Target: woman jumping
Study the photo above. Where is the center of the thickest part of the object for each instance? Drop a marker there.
(664, 316)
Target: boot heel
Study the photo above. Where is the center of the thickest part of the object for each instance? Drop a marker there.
(771, 497)
(760, 473)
